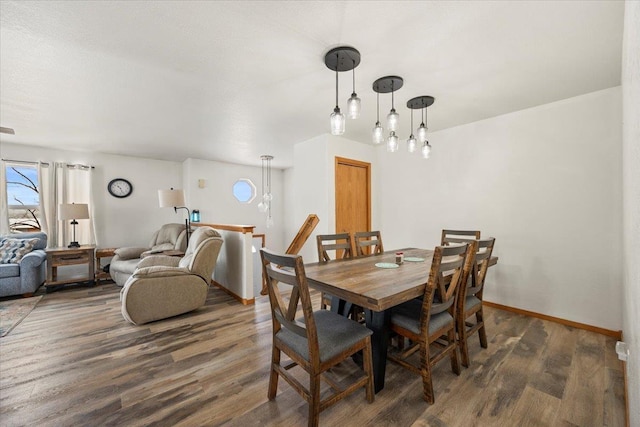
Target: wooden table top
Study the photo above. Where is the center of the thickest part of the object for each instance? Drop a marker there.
(359, 281)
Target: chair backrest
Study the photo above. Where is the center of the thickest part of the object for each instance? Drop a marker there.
(170, 237)
(202, 253)
(478, 272)
(458, 236)
(341, 243)
(366, 239)
(288, 270)
(447, 270)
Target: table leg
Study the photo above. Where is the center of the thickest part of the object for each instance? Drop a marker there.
(378, 322)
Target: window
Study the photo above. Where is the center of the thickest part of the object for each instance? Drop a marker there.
(23, 198)
(244, 190)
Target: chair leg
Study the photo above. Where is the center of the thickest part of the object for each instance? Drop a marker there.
(314, 402)
(273, 377)
(323, 305)
(455, 360)
(425, 371)
(462, 341)
(367, 364)
(481, 332)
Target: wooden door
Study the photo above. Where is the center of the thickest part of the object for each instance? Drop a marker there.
(353, 195)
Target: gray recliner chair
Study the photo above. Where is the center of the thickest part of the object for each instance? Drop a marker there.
(164, 286)
(125, 260)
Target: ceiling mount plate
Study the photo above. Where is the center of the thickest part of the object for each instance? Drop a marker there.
(266, 157)
(420, 102)
(343, 58)
(388, 84)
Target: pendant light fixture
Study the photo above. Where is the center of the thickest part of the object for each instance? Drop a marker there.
(267, 196)
(353, 103)
(412, 144)
(342, 58)
(422, 102)
(385, 85)
(378, 130)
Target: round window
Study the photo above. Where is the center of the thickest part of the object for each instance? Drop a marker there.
(244, 190)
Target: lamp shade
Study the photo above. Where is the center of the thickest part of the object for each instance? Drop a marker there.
(73, 211)
(170, 198)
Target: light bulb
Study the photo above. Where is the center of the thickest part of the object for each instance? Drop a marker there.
(353, 106)
(426, 150)
(337, 122)
(422, 133)
(392, 120)
(269, 222)
(378, 134)
(267, 197)
(412, 144)
(262, 207)
(392, 142)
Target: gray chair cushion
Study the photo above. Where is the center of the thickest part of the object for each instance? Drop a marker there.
(471, 302)
(335, 334)
(407, 316)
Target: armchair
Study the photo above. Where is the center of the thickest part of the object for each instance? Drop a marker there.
(125, 260)
(164, 286)
(26, 276)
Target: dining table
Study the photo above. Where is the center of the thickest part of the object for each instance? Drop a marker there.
(373, 283)
(377, 284)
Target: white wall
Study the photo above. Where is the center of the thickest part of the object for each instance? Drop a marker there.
(312, 185)
(119, 222)
(631, 202)
(545, 182)
(217, 204)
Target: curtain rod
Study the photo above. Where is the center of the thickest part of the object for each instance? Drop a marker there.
(23, 162)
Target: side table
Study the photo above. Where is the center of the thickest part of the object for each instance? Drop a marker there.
(64, 257)
(103, 253)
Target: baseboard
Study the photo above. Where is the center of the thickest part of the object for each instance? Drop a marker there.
(239, 298)
(607, 332)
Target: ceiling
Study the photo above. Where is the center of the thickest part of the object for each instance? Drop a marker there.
(230, 81)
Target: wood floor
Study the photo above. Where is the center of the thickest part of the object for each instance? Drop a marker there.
(74, 361)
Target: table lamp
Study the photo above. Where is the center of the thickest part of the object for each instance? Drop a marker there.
(175, 199)
(73, 212)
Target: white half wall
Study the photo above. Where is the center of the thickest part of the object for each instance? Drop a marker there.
(545, 182)
(631, 202)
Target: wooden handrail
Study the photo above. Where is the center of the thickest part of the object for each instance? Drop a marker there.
(229, 227)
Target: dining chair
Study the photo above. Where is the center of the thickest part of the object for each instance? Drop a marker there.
(316, 342)
(366, 239)
(430, 321)
(341, 244)
(470, 299)
(458, 236)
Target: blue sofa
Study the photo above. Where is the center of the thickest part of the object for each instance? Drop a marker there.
(25, 277)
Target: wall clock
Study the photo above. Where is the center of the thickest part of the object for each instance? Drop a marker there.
(120, 188)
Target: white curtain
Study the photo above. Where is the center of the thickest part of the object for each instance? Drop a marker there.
(43, 171)
(4, 209)
(72, 184)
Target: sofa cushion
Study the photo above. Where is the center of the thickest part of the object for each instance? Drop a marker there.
(12, 250)
(9, 270)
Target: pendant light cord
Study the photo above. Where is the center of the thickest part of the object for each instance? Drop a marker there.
(392, 95)
(378, 107)
(336, 88)
(354, 76)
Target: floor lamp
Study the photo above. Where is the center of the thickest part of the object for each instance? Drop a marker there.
(175, 199)
(73, 212)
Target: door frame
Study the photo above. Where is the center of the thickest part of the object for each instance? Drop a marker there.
(356, 163)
